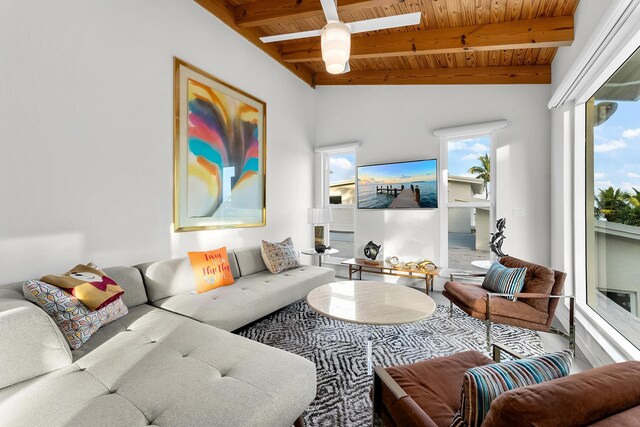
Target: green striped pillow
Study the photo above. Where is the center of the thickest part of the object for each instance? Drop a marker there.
(504, 280)
(481, 385)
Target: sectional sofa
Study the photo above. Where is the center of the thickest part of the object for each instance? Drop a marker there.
(170, 361)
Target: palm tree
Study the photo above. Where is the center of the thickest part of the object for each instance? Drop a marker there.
(631, 215)
(611, 203)
(635, 199)
(483, 172)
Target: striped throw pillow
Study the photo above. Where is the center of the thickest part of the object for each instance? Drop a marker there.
(504, 280)
(481, 385)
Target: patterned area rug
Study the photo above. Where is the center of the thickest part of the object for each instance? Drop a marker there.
(339, 350)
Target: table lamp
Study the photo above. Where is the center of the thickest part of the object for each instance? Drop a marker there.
(319, 217)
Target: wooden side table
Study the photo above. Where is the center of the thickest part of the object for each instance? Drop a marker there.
(359, 265)
(312, 252)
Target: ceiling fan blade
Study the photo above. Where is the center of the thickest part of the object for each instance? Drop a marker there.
(384, 23)
(291, 36)
(330, 10)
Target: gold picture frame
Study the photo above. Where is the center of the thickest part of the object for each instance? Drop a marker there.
(219, 153)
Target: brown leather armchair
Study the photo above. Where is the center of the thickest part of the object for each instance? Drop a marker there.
(427, 394)
(534, 308)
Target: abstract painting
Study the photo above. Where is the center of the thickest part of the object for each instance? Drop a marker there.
(219, 153)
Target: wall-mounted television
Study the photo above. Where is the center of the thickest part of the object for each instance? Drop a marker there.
(401, 185)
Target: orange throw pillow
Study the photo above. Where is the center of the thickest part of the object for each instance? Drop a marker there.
(211, 269)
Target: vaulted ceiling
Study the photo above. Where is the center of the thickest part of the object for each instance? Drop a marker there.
(457, 41)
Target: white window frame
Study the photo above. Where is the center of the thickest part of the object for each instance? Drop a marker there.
(612, 42)
(614, 343)
(325, 174)
(455, 133)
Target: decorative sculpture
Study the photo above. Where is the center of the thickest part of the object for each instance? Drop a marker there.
(321, 248)
(423, 265)
(371, 250)
(393, 260)
(497, 238)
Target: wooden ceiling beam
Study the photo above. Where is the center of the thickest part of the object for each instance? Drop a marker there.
(533, 33)
(223, 11)
(273, 11)
(527, 74)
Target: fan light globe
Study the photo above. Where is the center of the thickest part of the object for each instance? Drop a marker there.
(336, 44)
(337, 68)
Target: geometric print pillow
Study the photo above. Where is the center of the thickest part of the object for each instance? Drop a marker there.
(504, 280)
(481, 385)
(74, 319)
(279, 257)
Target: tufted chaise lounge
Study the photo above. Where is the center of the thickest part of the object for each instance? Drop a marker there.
(155, 366)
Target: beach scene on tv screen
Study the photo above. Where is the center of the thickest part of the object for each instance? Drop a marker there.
(404, 185)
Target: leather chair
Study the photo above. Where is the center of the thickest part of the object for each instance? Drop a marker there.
(534, 307)
(427, 394)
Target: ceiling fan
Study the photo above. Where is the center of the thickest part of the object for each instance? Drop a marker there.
(335, 37)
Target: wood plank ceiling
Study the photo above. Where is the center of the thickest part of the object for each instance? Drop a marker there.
(457, 41)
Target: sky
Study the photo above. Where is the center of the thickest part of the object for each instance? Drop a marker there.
(464, 153)
(617, 149)
(616, 153)
(342, 167)
(424, 170)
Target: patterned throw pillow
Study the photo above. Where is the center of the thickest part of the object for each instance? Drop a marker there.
(504, 280)
(75, 320)
(483, 384)
(211, 269)
(88, 284)
(281, 256)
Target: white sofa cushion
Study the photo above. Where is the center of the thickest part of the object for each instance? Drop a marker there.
(156, 367)
(250, 260)
(30, 342)
(174, 276)
(129, 279)
(250, 298)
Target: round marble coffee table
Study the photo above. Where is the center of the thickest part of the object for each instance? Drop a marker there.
(371, 303)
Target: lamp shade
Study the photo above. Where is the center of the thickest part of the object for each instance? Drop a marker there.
(319, 216)
(335, 43)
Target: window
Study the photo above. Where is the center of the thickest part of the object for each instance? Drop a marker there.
(341, 199)
(468, 187)
(613, 199)
(469, 200)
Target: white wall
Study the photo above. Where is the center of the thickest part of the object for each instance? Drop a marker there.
(586, 19)
(86, 111)
(395, 123)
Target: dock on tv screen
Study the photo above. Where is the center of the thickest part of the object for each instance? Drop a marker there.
(403, 185)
